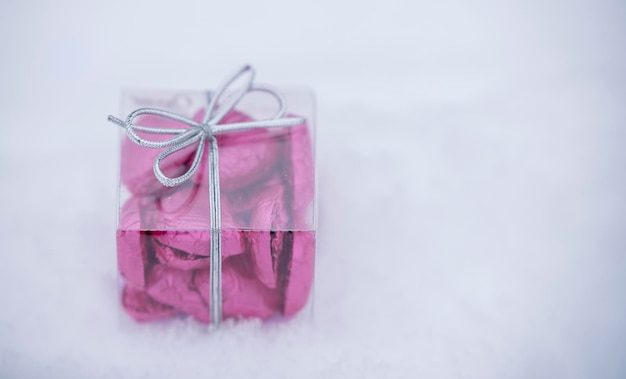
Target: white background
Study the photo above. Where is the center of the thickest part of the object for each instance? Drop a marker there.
(471, 185)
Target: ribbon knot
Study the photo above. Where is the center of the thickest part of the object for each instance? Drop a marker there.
(208, 130)
(220, 104)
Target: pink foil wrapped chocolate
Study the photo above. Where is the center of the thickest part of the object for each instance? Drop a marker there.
(140, 306)
(266, 191)
(182, 232)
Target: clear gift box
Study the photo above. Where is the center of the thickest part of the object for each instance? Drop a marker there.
(267, 190)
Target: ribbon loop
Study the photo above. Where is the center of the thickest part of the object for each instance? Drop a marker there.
(180, 135)
(282, 104)
(214, 112)
(173, 182)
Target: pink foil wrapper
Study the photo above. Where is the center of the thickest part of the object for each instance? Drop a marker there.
(297, 280)
(180, 220)
(175, 288)
(188, 292)
(301, 179)
(282, 258)
(132, 244)
(266, 242)
(297, 276)
(242, 297)
(140, 306)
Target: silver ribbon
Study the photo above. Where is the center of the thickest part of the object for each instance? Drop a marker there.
(200, 133)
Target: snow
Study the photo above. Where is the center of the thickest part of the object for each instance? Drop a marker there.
(471, 186)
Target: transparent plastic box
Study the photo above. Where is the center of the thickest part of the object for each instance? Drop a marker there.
(267, 182)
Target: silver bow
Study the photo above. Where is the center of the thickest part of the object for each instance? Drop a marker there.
(199, 133)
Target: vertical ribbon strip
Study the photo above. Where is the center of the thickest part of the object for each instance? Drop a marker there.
(225, 99)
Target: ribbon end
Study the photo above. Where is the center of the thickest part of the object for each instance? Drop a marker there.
(115, 120)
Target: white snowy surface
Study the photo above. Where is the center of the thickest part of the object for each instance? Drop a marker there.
(472, 217)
